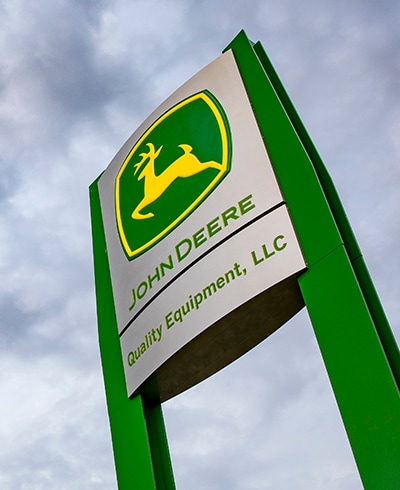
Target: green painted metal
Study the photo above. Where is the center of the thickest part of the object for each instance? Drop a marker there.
(159, 447)
(355, 340)
(138, 435)
(362, 382)
(353, 250)
(283, 144)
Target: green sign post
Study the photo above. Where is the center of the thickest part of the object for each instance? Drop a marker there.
(356, 342)
(137, 429)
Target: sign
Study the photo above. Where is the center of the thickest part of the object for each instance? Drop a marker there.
(196, 230)
(196, 262)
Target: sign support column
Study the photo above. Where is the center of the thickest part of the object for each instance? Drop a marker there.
(346, 319)
(141, 452)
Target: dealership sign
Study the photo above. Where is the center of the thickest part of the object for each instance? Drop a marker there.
(195, 227)
(197, 261)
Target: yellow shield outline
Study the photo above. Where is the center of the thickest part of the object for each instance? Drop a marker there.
(225, 143)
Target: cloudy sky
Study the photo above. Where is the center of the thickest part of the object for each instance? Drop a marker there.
(76, 79)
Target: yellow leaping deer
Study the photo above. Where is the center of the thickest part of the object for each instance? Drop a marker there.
(155, 185)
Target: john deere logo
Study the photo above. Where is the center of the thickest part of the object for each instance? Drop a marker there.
(173, 167)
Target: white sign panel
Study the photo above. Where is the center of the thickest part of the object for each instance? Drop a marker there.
(194, 219)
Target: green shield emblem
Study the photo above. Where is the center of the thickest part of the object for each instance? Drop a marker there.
(174, 166)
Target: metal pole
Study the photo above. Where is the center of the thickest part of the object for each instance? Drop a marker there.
(347, 318)
(141, 453)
